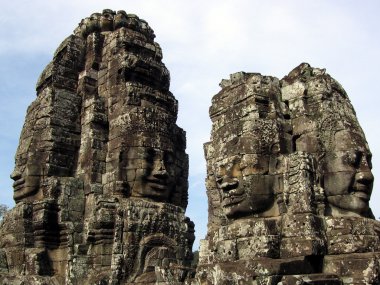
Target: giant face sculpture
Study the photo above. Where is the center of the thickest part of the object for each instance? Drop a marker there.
(245, 137)
(150, 173)
(244, 184)
(32, 153)
(27, 178)
(148, 152)
(348, 179)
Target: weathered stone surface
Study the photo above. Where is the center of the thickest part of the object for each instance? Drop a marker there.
(101, 175)
(101, 169)
(288, 182)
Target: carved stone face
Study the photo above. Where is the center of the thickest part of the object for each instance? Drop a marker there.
(151, 173)
(32, 153)
(348, 179)
(27, 177)
(244, 188)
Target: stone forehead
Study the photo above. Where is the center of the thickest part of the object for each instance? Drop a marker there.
(255, 88)
(347, 140)
(248, 78)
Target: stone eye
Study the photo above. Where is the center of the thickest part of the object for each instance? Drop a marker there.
(354, 158)
(369, 160)
(149, 155)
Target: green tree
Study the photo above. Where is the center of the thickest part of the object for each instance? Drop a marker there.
(3, 210)
(194, 263)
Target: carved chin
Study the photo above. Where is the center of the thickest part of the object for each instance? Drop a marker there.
(352, 203)
(159, 193)
(242, 208)
(155, 190)
(232, 202)
(24, 192)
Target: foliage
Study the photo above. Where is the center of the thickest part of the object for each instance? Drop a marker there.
(194, 263)
(3, 210)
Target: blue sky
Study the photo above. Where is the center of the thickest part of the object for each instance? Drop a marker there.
(202, 42)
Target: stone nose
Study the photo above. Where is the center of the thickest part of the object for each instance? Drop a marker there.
(364, 177)
(15, 175)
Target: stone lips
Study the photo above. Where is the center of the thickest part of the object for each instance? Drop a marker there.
(101, 170)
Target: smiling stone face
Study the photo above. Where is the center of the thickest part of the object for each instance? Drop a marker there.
(151, 173)
(42, 153)
(348, 179)
(244, 187)
(33, 152)
(246, 137)
(325, 125)
(27, 178)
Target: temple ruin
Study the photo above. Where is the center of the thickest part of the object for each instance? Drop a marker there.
(101, 170)
(288, 181)
(101, 175)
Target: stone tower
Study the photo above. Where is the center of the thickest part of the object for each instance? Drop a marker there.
(288, 182)
(101, 170)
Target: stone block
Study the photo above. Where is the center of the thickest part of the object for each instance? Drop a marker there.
(258, 246)
(362, 267)
(302, 246)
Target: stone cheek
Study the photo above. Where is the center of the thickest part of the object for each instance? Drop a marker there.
(101, 170)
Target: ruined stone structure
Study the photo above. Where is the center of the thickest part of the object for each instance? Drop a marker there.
(101, 169)
(101, 175)
(288, 182)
